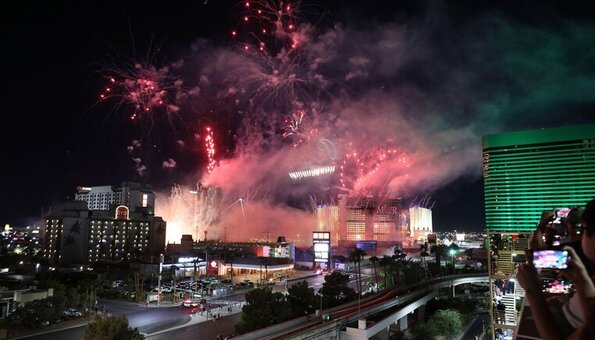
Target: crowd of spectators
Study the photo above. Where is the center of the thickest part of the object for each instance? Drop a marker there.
(565, 316)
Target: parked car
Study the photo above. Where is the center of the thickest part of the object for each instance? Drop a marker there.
(164, 289)
(189, 303)
(72, 313)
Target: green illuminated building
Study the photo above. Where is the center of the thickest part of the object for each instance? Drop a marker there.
(527, 172)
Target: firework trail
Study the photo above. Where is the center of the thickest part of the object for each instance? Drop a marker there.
(188, 209)
(210, 150)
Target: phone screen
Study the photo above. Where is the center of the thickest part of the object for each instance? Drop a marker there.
(556, 286)
(550, 259)
(562, 212)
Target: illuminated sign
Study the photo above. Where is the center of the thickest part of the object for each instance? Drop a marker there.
(322, 246)
(325, 235)
(121, 212)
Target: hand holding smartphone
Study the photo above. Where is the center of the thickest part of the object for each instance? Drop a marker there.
(550, 259)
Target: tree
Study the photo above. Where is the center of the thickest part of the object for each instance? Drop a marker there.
(335, 290)
(264, 262)
(228, 255)
(464, 306)
(374, 259)
(386, 263)
(302, 299)
(399, 262)
(88, 287)
(57, 302)
(438, 250)
(112, 328)
(423, 331)
(447, 322)
(32, 313)
(414, 272)
(356, 256)
(263, 308)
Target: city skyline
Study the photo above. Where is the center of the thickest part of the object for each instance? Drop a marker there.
(440, 76)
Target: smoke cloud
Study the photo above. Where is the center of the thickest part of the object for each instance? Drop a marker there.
(398, 107)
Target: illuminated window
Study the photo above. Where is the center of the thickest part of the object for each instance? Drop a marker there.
(145, 200)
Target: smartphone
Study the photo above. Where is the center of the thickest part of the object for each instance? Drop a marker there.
(556, 286)
(550, 259)
(562, 212)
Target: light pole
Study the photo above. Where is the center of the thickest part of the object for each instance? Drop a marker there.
(452, 255)
(321, 314)
(159, 279)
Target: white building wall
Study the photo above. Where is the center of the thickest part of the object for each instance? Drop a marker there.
(420, 222)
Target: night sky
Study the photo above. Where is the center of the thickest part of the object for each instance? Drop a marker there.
(464, 69)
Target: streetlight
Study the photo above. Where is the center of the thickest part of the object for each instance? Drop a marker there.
(452, 255)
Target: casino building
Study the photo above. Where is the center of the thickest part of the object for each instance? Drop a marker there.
(526, 173)
(106, 223)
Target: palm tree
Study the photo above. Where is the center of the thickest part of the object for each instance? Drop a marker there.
(356, 256)
(398, 262)
(374, 259)
(438, 251)
(228, 255)
(386, 263)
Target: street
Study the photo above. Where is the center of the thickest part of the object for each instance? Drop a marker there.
(149, 320)
(481, 321)
(146, 319)
(205, 330)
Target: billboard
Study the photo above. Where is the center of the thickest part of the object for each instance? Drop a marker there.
(322, 246)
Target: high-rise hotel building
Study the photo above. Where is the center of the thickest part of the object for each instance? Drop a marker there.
(526, 173)
(369, 218)
(106, 223)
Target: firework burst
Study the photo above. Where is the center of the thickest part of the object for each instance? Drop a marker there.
(280, 75)
(361, 167)
(142, 89)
